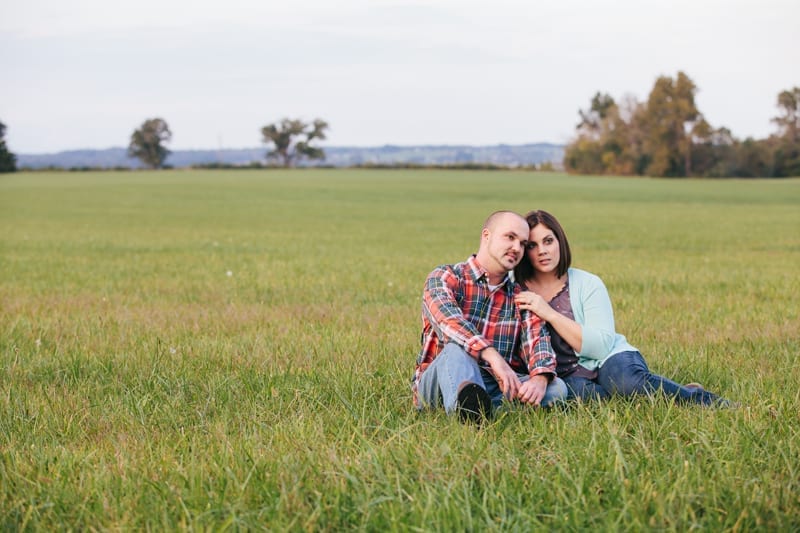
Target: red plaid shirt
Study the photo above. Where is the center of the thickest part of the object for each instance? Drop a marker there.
(458, 306)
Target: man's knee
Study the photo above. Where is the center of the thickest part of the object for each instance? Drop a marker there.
(452, 350)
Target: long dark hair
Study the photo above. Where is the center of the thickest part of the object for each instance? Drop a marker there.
(524, 270)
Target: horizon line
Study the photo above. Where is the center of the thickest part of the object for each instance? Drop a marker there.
(351, 146)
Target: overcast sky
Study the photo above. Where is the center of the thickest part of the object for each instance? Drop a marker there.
(85, 73)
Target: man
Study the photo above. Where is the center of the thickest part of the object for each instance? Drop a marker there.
(476, 346)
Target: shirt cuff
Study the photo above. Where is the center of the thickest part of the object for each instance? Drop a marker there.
(476, 345)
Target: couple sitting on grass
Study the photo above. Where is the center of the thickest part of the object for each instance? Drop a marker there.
(484, 337)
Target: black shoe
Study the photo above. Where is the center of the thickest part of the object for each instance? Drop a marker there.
(473, 403)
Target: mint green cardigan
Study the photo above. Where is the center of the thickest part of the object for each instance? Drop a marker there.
(592, 309)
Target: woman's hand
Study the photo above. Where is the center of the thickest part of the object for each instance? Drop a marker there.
(531, 301)
(568, 329)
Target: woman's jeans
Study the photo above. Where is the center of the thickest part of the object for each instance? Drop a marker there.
(626, 374)
(441, 381)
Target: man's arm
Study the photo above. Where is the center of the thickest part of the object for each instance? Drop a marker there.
(442, 310)
(537, 352)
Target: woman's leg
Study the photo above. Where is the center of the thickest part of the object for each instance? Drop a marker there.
(584, 389)
(626, 374)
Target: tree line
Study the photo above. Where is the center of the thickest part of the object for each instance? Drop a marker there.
(292, 141)
(8, 161)
(667, 136)
(291, 138)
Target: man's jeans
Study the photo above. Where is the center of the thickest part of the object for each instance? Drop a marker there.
(439, 384)
(626, 374)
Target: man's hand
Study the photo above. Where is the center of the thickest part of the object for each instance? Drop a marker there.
(506, 377)
(532, 391)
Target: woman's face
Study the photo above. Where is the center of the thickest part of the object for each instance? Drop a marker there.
(543, 249)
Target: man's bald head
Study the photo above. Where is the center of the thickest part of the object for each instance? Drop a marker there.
(497, 216)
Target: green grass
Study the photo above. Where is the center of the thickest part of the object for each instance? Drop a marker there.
(232, 350)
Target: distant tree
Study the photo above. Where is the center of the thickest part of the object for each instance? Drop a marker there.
(287, 147)
(8, 161)
(586, 154)
(668, 136)
(592, 118)
(754, 159)
(672, 122)
(789, 121)
(609, 138)
(715, 156)
(786, 158)
(147, 143)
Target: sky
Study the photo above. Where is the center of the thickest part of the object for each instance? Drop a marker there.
(83, 74)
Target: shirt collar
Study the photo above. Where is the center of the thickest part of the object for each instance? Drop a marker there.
(477, 272)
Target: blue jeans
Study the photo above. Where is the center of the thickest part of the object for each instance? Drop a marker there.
(626, 374)
(439, 384)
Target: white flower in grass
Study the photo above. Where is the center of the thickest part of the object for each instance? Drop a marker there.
(390, 284)
(38, 343)
(229, 273)
(172, 350)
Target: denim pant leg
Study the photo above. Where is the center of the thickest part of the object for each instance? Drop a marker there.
(626, 374)
(439, 384)
(584, 389)
(556, 389)
(556, 392)
(492, 387)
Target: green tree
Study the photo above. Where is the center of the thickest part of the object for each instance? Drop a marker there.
(147, 143)
(8, 161)
(292, 138)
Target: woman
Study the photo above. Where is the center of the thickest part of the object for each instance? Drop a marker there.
(593, 359)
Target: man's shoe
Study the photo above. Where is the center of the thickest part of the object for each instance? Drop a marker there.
(473, 403)
(722, 403)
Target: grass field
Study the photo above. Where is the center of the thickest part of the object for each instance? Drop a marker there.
(232, 350)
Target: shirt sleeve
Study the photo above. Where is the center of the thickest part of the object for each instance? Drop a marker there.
(598, 330)
(442, 310)
(536, 349)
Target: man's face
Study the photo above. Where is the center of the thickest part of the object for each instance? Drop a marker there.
(504, 243)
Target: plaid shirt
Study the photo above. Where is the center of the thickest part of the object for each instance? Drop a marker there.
(458, 306)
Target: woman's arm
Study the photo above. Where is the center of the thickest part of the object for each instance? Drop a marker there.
(568, 329)
(597, 315)
(594, 336)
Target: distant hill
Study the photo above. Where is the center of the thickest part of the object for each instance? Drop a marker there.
(338, 156)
